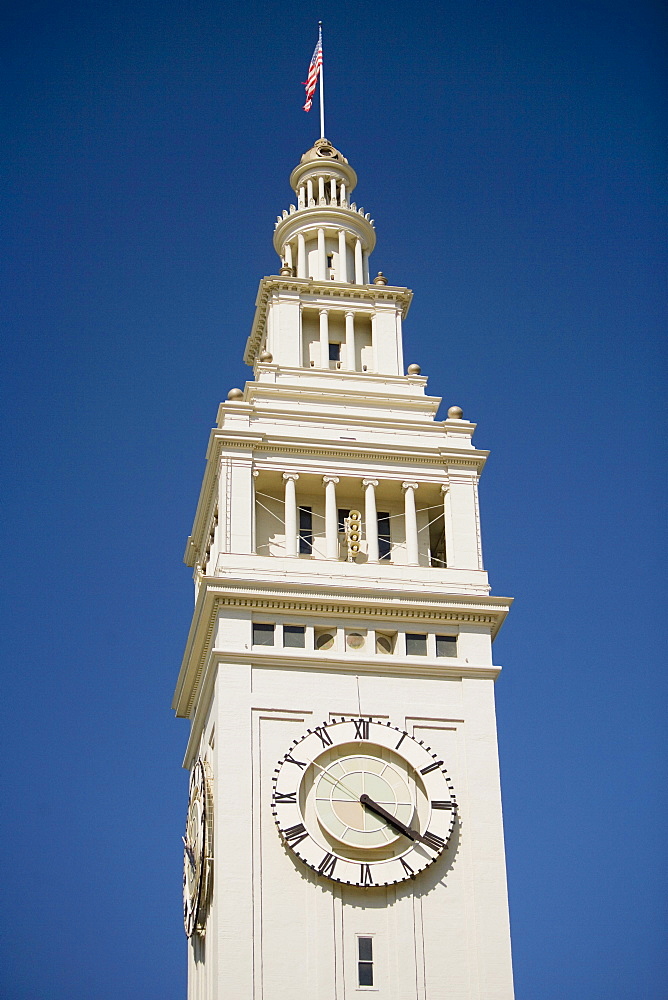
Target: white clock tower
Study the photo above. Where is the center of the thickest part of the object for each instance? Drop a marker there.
(344, 830)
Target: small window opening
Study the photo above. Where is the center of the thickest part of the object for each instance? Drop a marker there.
(385, 642)
(446, 645)
(355, 640)
(294, 635)
(384, 538)
(263, 634)
(343, 511)
(334, 352)
(416, 644)
(365, 961)
(330, 260)
(325, 639)
(305, 530)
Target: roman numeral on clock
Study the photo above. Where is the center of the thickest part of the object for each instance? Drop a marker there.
(361, 729)
(365, 875)
(323, 736)
(433, 840)
(283, 798)
(327, 865)
(289, 759)
(439, 804)
(403, 737)
(407, 868)
(295, 834)
(432, 767)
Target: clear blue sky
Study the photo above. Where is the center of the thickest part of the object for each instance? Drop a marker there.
(512, 156)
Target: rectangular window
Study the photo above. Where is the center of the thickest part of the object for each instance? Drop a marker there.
(446, 645)
(343, 514)
(334, 352)
(263, 635)
(416, 644)
(365, 961)
(330, 262)
(294, 635)
(305, 530)
(384, 540)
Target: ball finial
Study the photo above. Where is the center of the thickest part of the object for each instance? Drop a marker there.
(455, 413)
(234, 395)
(286, 271)
(266, 357)
(380, 279)
(413, 370)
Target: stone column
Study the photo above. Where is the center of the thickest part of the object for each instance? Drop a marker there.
(287, 254)
(321, 191)
(256, 473)
(350, 341)
(332, 191)
(410, 517)
(371, 519)
(301, 256)
(359, 266)
(343, 259)
(322, 256)
(309, 193)
(324, 338)
(365, 267)
(331, 518)
(290, 513)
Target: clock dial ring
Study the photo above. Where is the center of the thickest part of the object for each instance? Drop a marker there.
(411, 837)
(197, 843)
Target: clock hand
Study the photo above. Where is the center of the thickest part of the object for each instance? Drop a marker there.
(335, 781)
(389, 818)
(189, 852)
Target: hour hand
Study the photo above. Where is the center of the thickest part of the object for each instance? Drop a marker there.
(389, 818)
(189, 852)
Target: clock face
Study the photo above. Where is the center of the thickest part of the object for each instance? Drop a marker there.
(363, 803)
(196, 851)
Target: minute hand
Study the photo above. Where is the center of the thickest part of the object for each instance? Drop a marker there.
(389, 818)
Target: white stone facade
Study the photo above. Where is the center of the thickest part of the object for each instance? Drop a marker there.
(330, 424)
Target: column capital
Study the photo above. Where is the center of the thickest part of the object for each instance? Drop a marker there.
(369, 482)
(291, 475)
(350, 312)
(330, 479)
(445, 488)
(324, 310)
(409, 486)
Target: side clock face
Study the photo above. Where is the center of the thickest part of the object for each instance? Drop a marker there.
(197, 850)
(363, 803)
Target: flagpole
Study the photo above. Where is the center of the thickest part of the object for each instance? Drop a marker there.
(322, 85)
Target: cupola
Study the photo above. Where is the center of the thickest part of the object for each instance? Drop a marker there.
(325, 236)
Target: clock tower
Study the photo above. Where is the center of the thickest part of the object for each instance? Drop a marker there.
(344, 830)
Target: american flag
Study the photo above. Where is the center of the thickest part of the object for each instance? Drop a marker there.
(313, 71)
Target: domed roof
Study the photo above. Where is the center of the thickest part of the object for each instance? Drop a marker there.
(323, 150)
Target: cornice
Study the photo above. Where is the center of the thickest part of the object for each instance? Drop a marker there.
(319, 289)
(489, 611)
(333, 395)
(353, 220)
